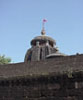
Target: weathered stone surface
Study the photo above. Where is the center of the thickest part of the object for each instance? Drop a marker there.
(53, 88)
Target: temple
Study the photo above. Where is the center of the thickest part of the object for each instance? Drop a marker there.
(45, 74)
(43, 47)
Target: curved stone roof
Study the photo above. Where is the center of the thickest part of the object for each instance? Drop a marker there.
(43, 38)
(57, 54)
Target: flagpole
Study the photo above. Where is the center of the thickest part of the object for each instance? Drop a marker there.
(43, 27)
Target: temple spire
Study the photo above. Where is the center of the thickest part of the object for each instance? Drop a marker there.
(43, 27)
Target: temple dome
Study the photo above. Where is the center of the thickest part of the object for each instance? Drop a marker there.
(42, 47)
(43, 39)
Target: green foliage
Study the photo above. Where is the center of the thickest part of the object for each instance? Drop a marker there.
(4, 60)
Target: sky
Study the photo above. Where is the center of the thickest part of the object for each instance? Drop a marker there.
(21, 21)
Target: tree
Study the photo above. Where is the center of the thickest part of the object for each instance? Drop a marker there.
(4, 60)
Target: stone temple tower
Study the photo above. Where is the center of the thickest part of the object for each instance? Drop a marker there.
(42, 47)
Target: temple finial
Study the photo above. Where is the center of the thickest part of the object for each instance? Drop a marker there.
(43, 27)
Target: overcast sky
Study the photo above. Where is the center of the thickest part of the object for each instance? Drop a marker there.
(21, 21)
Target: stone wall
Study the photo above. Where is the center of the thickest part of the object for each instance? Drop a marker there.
(43, 88)
(54, 65)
